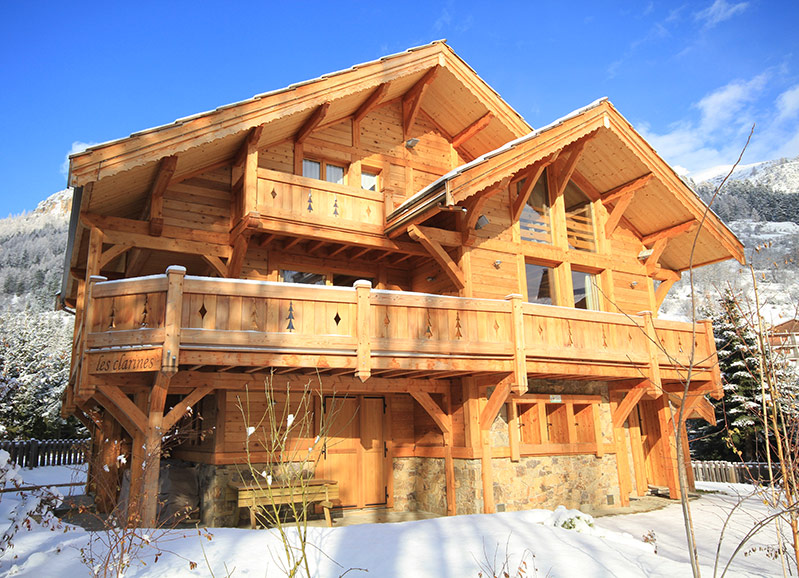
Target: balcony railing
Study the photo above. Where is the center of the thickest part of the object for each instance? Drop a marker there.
(170, 321)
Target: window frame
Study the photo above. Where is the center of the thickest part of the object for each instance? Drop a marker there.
(323, 164)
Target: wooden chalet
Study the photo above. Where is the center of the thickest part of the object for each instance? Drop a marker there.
(483, 295)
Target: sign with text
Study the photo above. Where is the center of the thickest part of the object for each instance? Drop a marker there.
(125, 361)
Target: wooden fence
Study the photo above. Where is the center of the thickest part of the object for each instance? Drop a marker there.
(35, 453)
(736, 473)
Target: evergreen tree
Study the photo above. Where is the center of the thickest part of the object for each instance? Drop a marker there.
(738, 423)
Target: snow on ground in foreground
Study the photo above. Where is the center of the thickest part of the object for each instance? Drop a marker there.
(443, 547)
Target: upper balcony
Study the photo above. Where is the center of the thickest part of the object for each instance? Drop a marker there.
(173, 321)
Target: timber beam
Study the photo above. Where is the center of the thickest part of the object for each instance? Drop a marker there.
(566, 167)
(670, 232)
(620, 192)
(371, 102)
(314, 120)
(439, 255)
(476, 208)
(627, 404)
(412, 101)
(531, 178)
(460, 139)
(166, 169)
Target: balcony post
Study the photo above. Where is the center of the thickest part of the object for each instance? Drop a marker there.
(363, 329)
(83, 391)
(519, 353)
(172, 318)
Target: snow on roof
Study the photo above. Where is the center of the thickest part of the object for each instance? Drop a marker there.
(414, 199)
(260, 96)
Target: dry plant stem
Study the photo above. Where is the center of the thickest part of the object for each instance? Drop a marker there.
(680, 422)
(765, 375)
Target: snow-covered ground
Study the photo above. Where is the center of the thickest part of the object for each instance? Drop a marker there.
(443, 547)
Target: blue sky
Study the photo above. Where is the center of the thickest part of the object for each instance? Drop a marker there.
(691, 76)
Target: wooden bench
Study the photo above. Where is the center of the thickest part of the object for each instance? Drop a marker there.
(254, 495)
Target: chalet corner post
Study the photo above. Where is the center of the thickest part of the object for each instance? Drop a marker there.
(172, 319)
(363, 324)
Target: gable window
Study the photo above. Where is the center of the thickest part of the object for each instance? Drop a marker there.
(540, 284)
(368, 180)
(585, 290)
(535, 218)
(579, 219)
(323, 171)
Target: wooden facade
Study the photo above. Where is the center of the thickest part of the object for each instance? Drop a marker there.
(399, 235)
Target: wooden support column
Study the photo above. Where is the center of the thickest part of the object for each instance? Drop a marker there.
(84, 389)
(471, 403)
(513, 431)
(668, 446)
(637, 450)
(498, 397)
(622, 461)
(151, 464)
(174, 308)
(363, 316)
(444, 422)
(519, 351)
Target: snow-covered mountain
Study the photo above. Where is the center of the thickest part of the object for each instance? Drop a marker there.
(781, 175)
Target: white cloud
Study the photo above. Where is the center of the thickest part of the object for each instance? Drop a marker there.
(719, 11)
(788, 103)
(709, 140)
(77, 147)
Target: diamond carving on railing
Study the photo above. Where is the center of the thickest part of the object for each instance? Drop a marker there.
(144, 312)
(274, 193)
(337, 319)
(496, 326)
(290, 326)
(369, 211)
(203, 311)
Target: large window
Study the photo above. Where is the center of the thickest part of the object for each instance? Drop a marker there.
(540, 284)
(369, 180)
(579, 219)
(326, 278)
(535, 217)
(323, 171)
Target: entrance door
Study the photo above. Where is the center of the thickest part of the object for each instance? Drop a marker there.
(355, 450)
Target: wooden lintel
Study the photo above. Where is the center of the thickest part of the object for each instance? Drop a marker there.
(313, 121)
(630, 400)
(669, 233)
(622, 191)
(439, 255)
(460, 139)
(498, 397)
(443, 421)
(217, 264)
(371, 102)
(184, 406)
(166, 168)
(412, 100)
(617, 213)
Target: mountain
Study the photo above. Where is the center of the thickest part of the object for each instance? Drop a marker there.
(781, 175)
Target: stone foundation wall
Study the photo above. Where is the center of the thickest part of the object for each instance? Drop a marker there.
(218, 502)
(420, 485)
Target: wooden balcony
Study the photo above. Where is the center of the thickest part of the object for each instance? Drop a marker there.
(173, 321)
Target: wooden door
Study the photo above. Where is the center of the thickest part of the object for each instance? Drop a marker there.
(373, 477)
(355, 455)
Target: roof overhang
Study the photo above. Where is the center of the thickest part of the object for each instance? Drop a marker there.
(614, 154)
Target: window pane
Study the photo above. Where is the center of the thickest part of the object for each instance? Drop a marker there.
(579, 219)
(302, 277)
(540, 287)
(535, 220)
(584, 290)
(334, 174)
(311, 169)
(369, 181)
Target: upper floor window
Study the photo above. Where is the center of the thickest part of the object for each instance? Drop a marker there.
(368, 180)
(535, 218)
(323, 171)
(579, 219)
(585, 290)
(540, 284)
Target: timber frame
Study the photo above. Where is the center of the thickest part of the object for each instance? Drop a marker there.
(482, 292)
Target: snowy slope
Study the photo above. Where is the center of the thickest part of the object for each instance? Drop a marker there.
(781, 174)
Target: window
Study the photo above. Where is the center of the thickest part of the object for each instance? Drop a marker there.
(579, 219)
(303, 277)
(535, 218)
(323, 171)
(585, 290)
(368, 180)
(540, 284)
